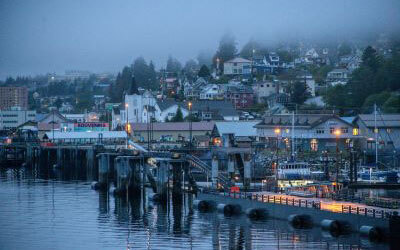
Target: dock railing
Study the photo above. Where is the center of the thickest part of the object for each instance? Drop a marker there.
(357, 210)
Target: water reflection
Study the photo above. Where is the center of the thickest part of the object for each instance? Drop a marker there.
(37, 203)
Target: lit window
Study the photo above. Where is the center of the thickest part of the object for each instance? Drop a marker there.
(314, 145)
(355, 131)
(376, 131)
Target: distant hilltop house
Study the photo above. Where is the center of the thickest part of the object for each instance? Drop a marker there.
(338, 76)
(350, 62)
(241, 96)
(237, 66)
(264, 89)
(211, 92)
(270, 64)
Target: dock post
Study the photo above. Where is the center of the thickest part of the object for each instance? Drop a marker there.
(103, 170)
(231, 166)
(247, 171)
(59, 156)
(162, 180)
(214, 171)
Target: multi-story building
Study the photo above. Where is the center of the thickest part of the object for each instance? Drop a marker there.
(11, 119)
(338, 76)
(241, 96)
(13, 97)
(237, 66)
(264, 89)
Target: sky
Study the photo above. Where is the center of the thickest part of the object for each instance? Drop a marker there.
(42, 36)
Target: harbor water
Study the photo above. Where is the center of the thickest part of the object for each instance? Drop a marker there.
(49, 209)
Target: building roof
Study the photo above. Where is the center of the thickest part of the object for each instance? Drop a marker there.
(86, 135)
(201, 138)
(339, 71)
(301, 120)
(166, 103)
(238, 60)
(238, 128)
(223, 108)
(392, 120)
(174, 126)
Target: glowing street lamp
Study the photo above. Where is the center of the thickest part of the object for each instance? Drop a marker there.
(190, 125)
(127, 124)
(337, 133)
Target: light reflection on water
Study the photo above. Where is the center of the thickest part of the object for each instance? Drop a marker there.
(55, 212)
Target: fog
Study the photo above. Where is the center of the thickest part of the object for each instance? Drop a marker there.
(103, 36)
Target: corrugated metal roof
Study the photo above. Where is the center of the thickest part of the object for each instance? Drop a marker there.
(86, 135)
(238, 128)
(392, 120)
(174, 126)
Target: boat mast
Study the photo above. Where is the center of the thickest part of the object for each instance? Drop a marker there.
(376, 137)
(293, 149)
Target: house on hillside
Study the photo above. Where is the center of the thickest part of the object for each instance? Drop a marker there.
(338, 76)
(237, 66)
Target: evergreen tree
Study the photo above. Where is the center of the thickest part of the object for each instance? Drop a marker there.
(226, 50)
(371, 59)
(173, 65)
(299, 92)
(178, 116)
(204, 71)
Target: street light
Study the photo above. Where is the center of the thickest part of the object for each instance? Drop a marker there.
(277, 131)
(127, 124)
(337, 133)
(190, 125)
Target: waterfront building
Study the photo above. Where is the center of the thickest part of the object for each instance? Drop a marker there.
(86, 137)
(312, 132)
(231, 133)
(13, 97)
(387, 134)
(170, 131)
(12, 118)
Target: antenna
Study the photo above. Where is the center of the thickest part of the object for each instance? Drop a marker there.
(376, 137)
(293, 144)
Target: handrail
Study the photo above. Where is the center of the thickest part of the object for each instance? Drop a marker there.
(362, 211)
(206, 168)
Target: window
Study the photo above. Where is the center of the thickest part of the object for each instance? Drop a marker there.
(235, 71)
(331, 130)
(262, 85)
(355, 131)
(320, 131)
(234, 64)
(314, 145)
(388, 130)
(267, 85)
(344, 130)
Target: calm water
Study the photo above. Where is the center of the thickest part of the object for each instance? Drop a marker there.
(51, 210)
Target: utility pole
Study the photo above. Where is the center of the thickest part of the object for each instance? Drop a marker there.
(376, 137)
(190, 126)
(127, 124)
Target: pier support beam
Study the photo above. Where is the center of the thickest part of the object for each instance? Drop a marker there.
(231, 166)
(247, 171)
(214, 171)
